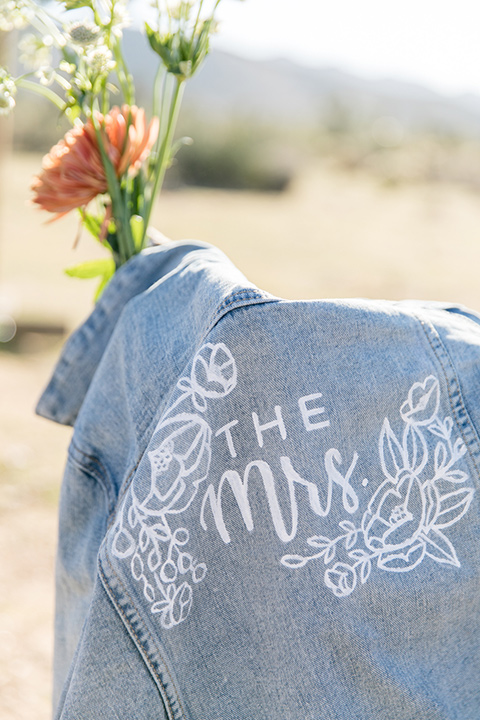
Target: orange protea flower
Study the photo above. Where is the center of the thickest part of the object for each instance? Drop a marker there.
(73, 173)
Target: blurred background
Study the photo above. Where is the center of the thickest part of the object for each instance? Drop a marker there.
(336, 153)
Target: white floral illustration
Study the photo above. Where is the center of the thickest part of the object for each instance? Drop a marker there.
(420, 497)
(214, 375)
(179, 462)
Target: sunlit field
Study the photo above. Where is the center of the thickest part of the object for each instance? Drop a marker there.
(333, 233)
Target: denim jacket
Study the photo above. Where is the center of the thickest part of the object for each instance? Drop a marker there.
(270, 509)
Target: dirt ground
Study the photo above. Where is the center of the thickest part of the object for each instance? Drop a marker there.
(331, 235)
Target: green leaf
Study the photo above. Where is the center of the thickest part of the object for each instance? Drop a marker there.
(103, 284)
(92, 223)
(92, 269)
(137, 225)
(75, 4)
(104, 269)
(159, 43)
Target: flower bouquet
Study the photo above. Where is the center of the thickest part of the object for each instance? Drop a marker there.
(111, 165)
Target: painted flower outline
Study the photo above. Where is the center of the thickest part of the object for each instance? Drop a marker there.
(341, 579)
(422, 494)
(422, 403)
(179, 457)
(178, 464)
(213, 375)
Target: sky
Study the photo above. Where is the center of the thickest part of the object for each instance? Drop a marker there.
(430, 42)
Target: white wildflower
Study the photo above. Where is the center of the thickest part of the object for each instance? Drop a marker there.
(7, 92)
(81, 82)
(120, 18)
(15, 14)
(83, 34)
(46, 75)
(100, 61)
(67, 67)
(7, 103)
(179, 10)
(35, 52)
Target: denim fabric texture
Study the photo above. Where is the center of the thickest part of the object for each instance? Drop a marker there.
(270, 509)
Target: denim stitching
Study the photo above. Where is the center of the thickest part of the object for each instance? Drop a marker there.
(246, 294)
(127, 621)
(103, 577)
(458, 407)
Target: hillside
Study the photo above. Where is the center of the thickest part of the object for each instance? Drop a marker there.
(229, 86)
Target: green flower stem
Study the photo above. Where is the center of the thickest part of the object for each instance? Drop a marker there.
(165, 150)
(160, 77)
(124, 77)
(165, 109)
(197, 20)
(41, 90)
(63, 82)
(126, 245)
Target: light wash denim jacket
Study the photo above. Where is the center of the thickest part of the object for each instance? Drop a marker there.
(270, 509)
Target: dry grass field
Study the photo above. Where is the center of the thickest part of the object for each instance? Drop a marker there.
(332, 234)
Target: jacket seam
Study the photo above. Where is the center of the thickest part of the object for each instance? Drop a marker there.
(463, 419)
(245, 294)
(145, 656)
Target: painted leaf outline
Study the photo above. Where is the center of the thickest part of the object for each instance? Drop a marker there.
(456, 476)
(137, 567)
(398, 561)
(459, 448)
(432, 495)
(161, 531)
(439, 548)
(144, 539)
(415, 451)
(149, 592)
(132, 516)
(123, 544)
(318, 541)
(154, 559)
(358, 554)
(160, 606)
(365, 571)
(441, 456)
(347, 526)
(391, 452)
(452, 507)
(438, 429)
(330, 554)
(350, 540)
(294, 561)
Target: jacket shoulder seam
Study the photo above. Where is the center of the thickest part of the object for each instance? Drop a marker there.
(457, 403)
